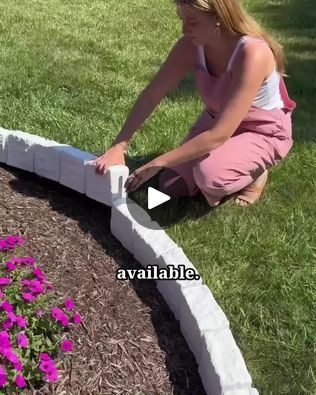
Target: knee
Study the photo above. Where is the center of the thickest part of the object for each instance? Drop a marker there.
(213, 179)
(171, 184)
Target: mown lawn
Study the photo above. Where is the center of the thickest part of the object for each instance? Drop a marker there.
(70, 71)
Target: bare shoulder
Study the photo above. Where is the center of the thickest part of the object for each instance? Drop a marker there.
(256, 56)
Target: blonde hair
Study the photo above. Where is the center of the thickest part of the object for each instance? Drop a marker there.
(235, 19)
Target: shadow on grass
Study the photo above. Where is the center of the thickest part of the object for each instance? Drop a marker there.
(94, 218)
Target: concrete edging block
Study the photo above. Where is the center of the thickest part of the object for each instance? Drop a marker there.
(149, 244)
(123, 223)
(222, 367)
(172, 290)
(199, 312)
(72, 168)
(3, 144)
(47, 159)
(20, 149)
(108, 187)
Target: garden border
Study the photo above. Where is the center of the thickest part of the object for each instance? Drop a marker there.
(203, 324)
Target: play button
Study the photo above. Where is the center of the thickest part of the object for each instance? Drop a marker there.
(156, 198)
(154, 207)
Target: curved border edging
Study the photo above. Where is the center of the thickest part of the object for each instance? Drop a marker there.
(202, 322)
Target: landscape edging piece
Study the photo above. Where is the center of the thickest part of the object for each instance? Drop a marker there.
(17, 150)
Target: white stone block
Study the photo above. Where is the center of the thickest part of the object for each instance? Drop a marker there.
(222, 367)
(47, 159)
(72, 168)
(3, 144)
(108, 187)
(20, 149)
(123, 222)
(172, 290)
(199, 312)
(149, 244)
(246, 391)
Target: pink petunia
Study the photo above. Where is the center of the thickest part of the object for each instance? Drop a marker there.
(28, 297)
(64, 321)
(20, 381)
(26, 283)
(36, 287)
(69, 304)
(38, 273)
(10, 266)
(10, 240)
(5, 340)
(47, 366)
(52, 376)
(7, 324)
(19, 240)
(44, 356)
(57, 313)
(22, 340)
(66, 345)
(3, 377)
(6, 306)
(77, 318)
(3, 245)
(5, 281)
(13, 358)
(21, 321)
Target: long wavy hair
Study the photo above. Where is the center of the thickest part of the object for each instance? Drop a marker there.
(236, 20)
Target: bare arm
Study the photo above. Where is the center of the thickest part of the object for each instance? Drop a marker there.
(175, 68)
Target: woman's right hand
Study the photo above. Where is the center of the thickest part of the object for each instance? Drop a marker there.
(112, 156)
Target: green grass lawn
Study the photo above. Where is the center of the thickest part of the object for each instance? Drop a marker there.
(70, 71)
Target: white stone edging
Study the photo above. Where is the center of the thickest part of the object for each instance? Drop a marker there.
(202, 322)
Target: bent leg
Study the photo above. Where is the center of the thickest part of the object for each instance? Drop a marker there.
(179, 180)
(234, 165)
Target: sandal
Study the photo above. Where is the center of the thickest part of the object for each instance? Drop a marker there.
(252, 192)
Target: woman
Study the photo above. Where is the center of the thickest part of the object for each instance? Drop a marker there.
(246, 126)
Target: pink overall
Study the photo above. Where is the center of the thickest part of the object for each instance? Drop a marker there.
(262, 140)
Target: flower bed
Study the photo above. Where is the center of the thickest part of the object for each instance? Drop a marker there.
(34, 323)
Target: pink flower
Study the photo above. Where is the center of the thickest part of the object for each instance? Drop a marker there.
(77, 318)
(8, 324)
(52, 376)
(38, 273)
(10, 240)
(19, 240)
(28, 297)
(29, 260)
(10, 266)
(20, 381)
(69, 304)
(6, 306)
(22, 340)
(44, 356)
(57, 313)
(13, 358)
(2, 295)
(26, 283)
(47, 366)
(36, 287)
(21, 321)
(3, 245)
(3, 377)
(66, 345)
(64, 320)
(5, 281)
(5, 340)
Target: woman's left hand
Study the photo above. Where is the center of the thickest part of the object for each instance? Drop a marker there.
(141, 175)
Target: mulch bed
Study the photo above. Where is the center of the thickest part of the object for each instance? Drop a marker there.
(130, 342)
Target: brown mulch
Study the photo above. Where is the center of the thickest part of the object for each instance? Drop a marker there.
(130, 342)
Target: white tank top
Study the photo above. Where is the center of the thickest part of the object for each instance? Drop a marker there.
(268, 96)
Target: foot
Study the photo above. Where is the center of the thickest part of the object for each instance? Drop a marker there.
(252, 192)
